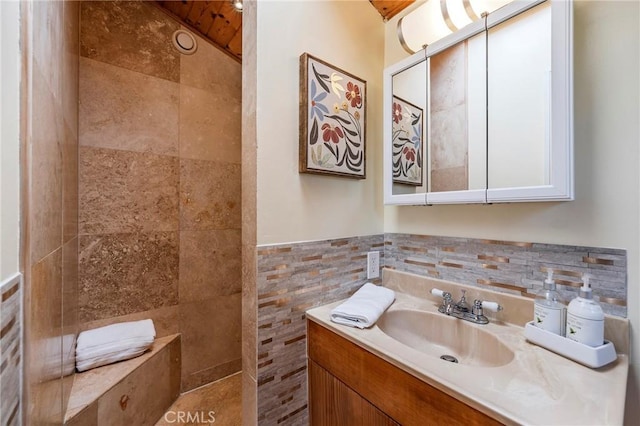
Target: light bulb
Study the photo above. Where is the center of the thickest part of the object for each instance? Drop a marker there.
(422, 26)
(237, 5)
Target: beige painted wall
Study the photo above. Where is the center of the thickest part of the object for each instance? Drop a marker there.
(298, 207)
(606, 210)
(10, 144)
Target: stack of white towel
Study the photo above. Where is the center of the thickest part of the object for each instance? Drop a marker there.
(117, 342)
(363, 309)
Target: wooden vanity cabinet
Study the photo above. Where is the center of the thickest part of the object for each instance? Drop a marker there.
(351, 386)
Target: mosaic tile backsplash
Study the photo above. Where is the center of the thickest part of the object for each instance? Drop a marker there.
(295, 277)
(10, 352)
(291, 279)
(513, 267)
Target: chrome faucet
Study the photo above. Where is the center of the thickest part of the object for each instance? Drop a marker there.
(461, 308)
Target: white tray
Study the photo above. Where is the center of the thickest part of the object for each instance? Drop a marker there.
(593, 357)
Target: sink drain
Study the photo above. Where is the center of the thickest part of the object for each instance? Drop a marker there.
(449, 358)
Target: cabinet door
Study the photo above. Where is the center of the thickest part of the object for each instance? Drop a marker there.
(529, 102)
(332, 403)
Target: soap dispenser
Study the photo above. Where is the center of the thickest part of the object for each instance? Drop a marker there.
(585, 318)
(549, 311)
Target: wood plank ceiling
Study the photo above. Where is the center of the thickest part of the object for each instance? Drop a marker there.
(218, 20)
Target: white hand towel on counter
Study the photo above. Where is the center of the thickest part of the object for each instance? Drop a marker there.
(116, 342)
(363, 309)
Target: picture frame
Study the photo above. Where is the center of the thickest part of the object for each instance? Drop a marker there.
(332, 120)
(408, 142)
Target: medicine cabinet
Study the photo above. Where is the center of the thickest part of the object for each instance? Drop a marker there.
(484, 115)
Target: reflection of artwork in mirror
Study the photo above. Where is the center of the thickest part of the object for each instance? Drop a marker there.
(407, 142)
(332, 120)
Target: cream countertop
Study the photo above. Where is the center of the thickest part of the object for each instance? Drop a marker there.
(536, 387)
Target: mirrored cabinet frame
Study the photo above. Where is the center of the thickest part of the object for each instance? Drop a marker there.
(560, 171)
(419, 198)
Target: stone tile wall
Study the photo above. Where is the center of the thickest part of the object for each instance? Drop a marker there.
(160, 185)
(513, 267)
(292, 278)
(11, 327)
(50, 177)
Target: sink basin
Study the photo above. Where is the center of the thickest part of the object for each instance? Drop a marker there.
(438, 335)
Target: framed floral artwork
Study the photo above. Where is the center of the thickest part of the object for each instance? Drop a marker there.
(332, 120)
(407, 140)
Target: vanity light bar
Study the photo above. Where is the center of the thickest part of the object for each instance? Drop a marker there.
(436, 19)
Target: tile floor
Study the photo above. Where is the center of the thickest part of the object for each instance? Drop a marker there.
(221, 400)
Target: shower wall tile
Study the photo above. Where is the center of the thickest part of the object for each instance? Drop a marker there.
(126, 110)
(448, 69)
(212, 70)
(292, 278)
(69, 184)
(46, 171)
(249, 226)
(451, 179)
(47, 45)
(209, 125)
(448, 125)
(122, 274)
(11, 351)
(131, 35)
(44, 354)
(51, 171)
(123, 191)
(69, 314)
(211, 332)
(513, 267)
(160, 160)
(71, 65)
(210, 264)
(209, 195)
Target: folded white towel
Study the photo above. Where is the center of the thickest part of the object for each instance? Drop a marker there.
(116, 342)
(363, 309)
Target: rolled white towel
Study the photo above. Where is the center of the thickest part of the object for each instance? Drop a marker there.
(116, 342)
(363, 309)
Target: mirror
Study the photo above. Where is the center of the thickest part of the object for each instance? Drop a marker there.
(408, 134)
(405, 130)
(457, 117)
(519, 88)
(498, 111)
(530, 102)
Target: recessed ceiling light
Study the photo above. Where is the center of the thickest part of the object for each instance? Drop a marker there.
(237, 5)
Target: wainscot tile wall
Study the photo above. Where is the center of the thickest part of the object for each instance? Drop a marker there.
(11, 351)
(291, 279)
(513, 267)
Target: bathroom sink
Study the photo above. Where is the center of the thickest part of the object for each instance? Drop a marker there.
(442, 336)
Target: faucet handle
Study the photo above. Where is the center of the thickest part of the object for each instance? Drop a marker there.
(444, 294)
(492, 306)
(479, 305)
(438, 292)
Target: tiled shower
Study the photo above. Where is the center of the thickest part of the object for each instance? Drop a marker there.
(132, 193)
(159, 179)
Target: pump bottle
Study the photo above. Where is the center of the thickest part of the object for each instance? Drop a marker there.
(549, 312)
(585, 318)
